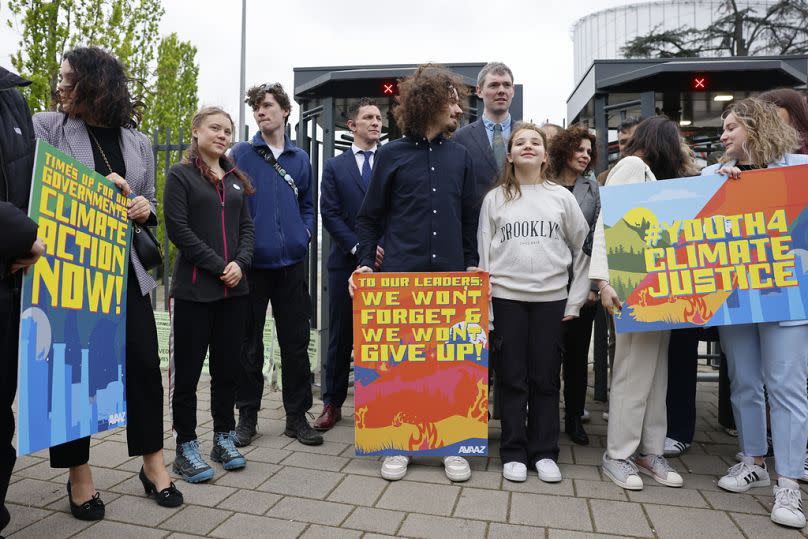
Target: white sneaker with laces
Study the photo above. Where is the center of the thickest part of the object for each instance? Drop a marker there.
(745, 475)
(739, 456)
(657, 467)
(456, 468)
(787, 509)
(514, 471)
(674, 448)
(624, 473)
(548, 471)
(395, 468)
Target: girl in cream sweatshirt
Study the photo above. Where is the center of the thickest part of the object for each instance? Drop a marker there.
(530, 235)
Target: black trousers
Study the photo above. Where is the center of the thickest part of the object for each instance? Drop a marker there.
(143, 383)
(577, 334)
(9, 334)
(291, 307)
(683, 358)
(340, 337)
(196, 326)
(528, 370)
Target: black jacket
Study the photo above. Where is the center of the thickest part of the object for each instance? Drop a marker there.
(17, 148)
(211, 227)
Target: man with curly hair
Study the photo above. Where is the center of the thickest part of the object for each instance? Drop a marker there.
(283, 212)
(422, 201)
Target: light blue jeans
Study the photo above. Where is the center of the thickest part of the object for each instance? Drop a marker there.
(776, 357)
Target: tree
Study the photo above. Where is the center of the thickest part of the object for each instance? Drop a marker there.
(738, 32)
(128, 29)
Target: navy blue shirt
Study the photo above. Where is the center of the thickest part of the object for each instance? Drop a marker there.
(421, 200)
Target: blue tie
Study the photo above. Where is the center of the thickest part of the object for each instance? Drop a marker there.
(366, 167)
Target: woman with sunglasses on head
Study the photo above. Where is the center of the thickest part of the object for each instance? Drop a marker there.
(572, 154)
(97, 124)
(637, 410)
(765, 354)
(207, 218)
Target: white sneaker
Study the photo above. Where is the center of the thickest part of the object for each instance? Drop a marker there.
(745, 475)
(456, 468)
(657, 467)
(787, 508)
(605, 415)
(548, 471)
(585, 417)
(739, 456)
(624, 473)
(674, 448)
(805, 468)
(514, 471)
(395, 468)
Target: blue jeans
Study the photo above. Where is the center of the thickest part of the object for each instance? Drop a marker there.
(777, 357)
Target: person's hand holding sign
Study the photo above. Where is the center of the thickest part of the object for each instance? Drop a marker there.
(351, 283)
(608, 297)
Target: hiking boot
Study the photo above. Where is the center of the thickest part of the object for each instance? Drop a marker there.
(247, 427)
(298, 427)
(224, 451)
(745, 475)
(189, 464)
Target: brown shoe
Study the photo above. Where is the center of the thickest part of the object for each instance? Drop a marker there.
(331, 414)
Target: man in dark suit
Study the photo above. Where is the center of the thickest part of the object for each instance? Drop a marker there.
(345, 181)
(487, 138)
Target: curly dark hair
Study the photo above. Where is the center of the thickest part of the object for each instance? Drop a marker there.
(563, 146)
(797, 107)
(255, 96)
(425, 93)
(102, 90)
(658, 142)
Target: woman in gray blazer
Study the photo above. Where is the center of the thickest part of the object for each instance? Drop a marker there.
(572, 154)
(96, 125)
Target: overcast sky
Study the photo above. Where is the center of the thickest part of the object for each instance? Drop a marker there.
(531, 36)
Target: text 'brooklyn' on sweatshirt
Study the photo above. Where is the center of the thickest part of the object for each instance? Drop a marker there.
(527, 245)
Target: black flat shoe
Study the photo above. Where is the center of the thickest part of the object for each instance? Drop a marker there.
(92, 509)
(168, 497)
(575, 430)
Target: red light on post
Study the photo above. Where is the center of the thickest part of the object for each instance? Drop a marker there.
(698, 82)
(388, 88)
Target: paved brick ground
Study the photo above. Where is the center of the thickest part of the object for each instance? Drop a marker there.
(291, 490)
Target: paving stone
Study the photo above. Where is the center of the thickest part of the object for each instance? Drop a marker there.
(328, 447)
(109, 454)
(196, 519)
(241, 526)
(41, 470)
(343, 434)
(565, 455)
(358, 490)
(275, 440)
(27, 461)
(667, 495)
(302, 482)
(433, 527)
(315, 461)
(54, 526)
(323, 532)
(419, 498)
(250, 501)
(550, 511)
(704, 464)
(620, 517)
(512, 531)
(537, 486)
(205, 494)
(580, 471)
(484, 479)
(599, 489)
(35, 492)
(732, 501)
(592, 456)
(364, 466)
(482, 504)
(138, 510)
(567, 534)
(183, 536)
(762, 526)
(106, 529)
(374, 520)
(427, 474)
(22, 516)
(268, 454)
(306, 510)
(686, 522)
(701, 482)
(250, 477)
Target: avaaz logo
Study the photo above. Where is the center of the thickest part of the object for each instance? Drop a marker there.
(472, 450)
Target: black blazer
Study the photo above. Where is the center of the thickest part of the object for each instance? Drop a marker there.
(341, 194)
(474, 138)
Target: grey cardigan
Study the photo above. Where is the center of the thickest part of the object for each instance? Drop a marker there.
(70, 136)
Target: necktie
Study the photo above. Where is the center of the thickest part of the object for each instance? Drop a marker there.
(498, 145)
(366, 167)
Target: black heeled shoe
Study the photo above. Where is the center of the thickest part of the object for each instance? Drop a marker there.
(92, 509)
(168, 497)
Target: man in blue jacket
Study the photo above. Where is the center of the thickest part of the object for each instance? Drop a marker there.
(283, 213)
(345, 181)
